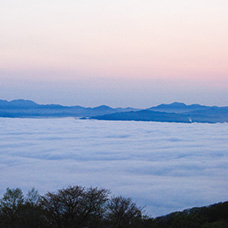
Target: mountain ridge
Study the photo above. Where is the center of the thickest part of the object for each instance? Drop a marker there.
(174, 112)
(29, 109)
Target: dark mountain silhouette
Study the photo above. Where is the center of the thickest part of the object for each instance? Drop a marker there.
(17, 103)
(28, 109)
(177, 107)
(145, 115)
(175, 112)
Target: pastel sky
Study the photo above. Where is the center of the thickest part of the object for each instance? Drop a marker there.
(119, 53)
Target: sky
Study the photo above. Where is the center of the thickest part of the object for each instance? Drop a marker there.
(118, 53)
(163, 166)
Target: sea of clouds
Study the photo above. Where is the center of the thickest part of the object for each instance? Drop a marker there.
(162, 166)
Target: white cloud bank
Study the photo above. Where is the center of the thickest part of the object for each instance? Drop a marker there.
(163, 166)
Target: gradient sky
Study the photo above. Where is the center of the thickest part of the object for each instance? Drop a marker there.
(119, 53)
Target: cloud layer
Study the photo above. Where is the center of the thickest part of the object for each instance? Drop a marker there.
(162, 166)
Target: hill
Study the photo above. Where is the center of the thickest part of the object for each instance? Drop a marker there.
(213, 216)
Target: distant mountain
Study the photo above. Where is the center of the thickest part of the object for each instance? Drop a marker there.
(103, 107)
(177, 107)
(175, 112)
(145, 115)
(17, 103)
(29, 109)
(128, 109)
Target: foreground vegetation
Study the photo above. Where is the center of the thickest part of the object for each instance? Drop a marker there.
(80, 207)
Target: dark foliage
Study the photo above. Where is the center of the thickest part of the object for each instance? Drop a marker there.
(79, 207)
(122, 213)
(214, 216)
(75, 207)
(17, 211)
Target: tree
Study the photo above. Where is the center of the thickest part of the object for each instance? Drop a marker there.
(12, 199)
(33, 197)
(94, 207)
(123, 213)
(74, 206)
(31, 213)
(10, 205)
